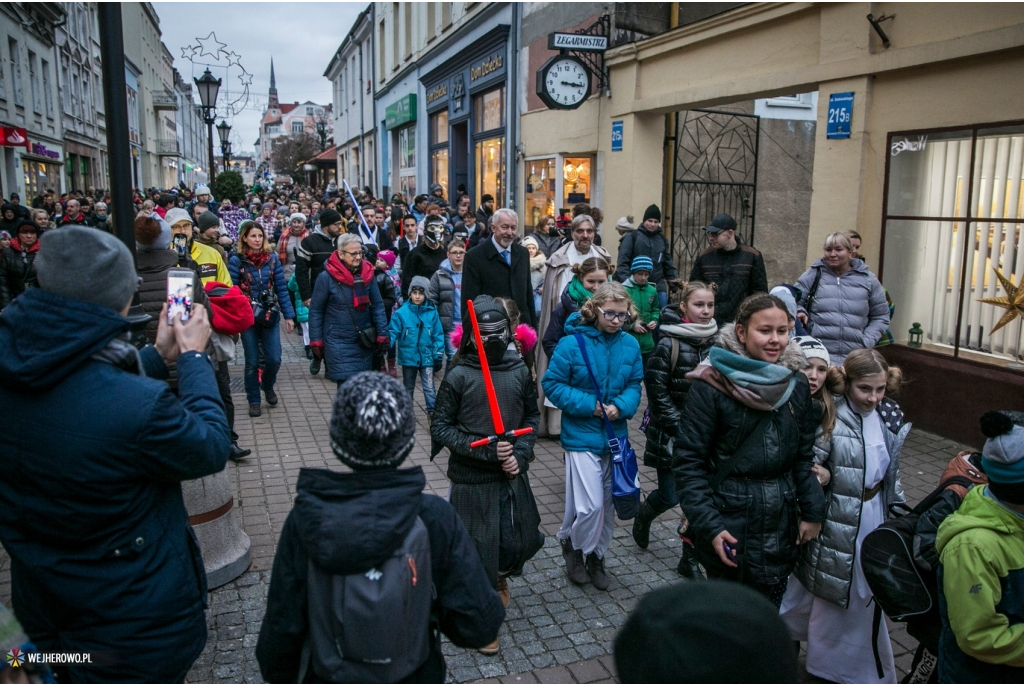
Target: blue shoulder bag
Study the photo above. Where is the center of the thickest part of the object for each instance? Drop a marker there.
(625, 471)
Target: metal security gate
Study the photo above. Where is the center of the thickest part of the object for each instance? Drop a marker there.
(714, 170)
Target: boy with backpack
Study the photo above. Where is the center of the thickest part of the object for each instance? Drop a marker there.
(369, 569)
(981, 575)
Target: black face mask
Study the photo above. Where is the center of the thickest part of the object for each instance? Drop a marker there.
(495, 346)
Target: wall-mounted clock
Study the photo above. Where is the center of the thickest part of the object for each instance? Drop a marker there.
(563, 82)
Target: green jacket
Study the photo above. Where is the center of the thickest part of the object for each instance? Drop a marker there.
(646, 301)
(981, 547)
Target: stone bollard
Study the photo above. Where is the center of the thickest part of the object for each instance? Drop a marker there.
(210, 503)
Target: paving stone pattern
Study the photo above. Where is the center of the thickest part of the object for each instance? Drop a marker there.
(554, 630)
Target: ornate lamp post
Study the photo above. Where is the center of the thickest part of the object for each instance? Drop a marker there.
(209, 88)
(224, 131)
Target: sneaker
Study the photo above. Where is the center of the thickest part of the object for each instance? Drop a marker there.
(271, 397)
(574, 566)
(254, 410)
(503, 591)
(314, 366)
(490, 650)
(595, 569)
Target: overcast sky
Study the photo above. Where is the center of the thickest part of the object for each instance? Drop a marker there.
(300, 36)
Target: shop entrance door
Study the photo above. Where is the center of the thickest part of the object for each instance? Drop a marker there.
(714, 170)
(460, 158)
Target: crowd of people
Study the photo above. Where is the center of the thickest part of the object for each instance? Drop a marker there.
(769, 421)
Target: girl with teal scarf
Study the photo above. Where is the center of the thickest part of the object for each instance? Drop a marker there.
(744, 452)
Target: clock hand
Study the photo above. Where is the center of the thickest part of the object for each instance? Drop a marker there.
(576, 85)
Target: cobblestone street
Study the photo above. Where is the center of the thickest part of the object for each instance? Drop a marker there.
(554, 631)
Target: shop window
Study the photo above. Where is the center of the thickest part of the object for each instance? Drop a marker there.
(947, 229)
(407, 161)
(540, 190)
(439, 150)
(575, 180)
(490, 169)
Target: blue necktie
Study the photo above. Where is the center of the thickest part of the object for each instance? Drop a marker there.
(507, 256)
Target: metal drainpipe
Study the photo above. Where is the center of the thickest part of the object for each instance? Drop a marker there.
(671, 122)
(514, 120)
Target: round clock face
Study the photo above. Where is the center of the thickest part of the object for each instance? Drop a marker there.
(567, 82)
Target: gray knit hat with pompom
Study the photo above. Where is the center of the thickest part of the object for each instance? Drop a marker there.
(372, 423)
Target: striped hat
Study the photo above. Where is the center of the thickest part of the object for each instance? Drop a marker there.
(812, 348)
(641, 263)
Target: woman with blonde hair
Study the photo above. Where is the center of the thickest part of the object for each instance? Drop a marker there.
(258, 272)
(842, 303)
(830, 605)
(614, 356)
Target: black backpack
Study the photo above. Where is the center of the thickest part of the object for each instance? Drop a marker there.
(372, 627)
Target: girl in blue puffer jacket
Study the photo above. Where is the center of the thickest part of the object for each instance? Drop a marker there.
(615, 358)
(418, 339)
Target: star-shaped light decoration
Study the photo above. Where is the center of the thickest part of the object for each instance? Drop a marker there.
(1013, 301)
(233, 58)
(210, 45)
(245, 78)
(189, 51)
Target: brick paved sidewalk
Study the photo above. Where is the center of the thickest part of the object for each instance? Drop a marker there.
(554, 631)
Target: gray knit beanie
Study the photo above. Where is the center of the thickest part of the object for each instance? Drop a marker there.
(208, 220)
(419, 282)
(86, 264)
(372, 423)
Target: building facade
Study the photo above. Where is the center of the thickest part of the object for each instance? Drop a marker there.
(351, 73)
(131, 80)
(192, 135)
(33, 132)
(157, 103)
(80, 80)
(283, 120)
(445, 115)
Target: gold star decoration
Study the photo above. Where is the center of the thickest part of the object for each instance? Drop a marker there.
(1013, 301)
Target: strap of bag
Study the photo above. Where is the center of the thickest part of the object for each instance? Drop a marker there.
(674, 357)
(748, 445)
(348, 307)
(809, 306)
(613, 442)
(876, 624)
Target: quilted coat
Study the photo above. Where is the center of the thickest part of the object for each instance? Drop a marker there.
(763, 499)
(826, 563)
(667, 388)
(849, 311)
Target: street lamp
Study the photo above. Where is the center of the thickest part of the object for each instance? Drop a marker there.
(209, 88)
(223, 130)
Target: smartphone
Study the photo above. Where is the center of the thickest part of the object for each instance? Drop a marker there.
(180, 242)
(179, 294)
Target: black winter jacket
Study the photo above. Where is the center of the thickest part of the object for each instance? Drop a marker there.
(387, 291)
(555, 331)
(763, 499)
(17, 272)
(422, 261)
(667, 387)
(653, 245)
(350, 522)
(739, 274)
(313, 253)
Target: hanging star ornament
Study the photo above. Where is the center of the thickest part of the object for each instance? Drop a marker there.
(211, 46)
(1013, 301)
(245, 78)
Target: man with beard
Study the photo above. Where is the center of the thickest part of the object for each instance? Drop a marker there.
(425, 259)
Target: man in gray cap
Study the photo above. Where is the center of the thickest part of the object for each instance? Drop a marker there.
(103, 560)
(737, 269)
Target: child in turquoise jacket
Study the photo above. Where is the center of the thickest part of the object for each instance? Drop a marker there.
(301, 314)
(418, 340)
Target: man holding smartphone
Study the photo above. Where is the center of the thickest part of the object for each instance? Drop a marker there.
(103, 560)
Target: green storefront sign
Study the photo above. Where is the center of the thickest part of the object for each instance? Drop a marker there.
(401, 112)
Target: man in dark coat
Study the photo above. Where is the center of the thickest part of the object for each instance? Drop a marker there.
(500, 267)
(485, 210)
(350, 523)
(314, 251)
(649, 241)
(103, 560)
(737, 269)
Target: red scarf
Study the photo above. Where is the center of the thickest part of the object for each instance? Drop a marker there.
(341, 273)
(16, 245)
(282, 243)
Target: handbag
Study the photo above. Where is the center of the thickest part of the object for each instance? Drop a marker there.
(366, 337)
(625, 470)
(812, 294)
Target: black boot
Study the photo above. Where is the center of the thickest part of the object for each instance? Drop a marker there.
(309, 352)
(642, 525)
(688, 567)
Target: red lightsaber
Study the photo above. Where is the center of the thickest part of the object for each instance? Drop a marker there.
(492, 397)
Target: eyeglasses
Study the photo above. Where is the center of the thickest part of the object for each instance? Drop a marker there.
(614, 316)
(353, 254)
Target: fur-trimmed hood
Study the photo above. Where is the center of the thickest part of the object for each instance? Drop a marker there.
(792, 357)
